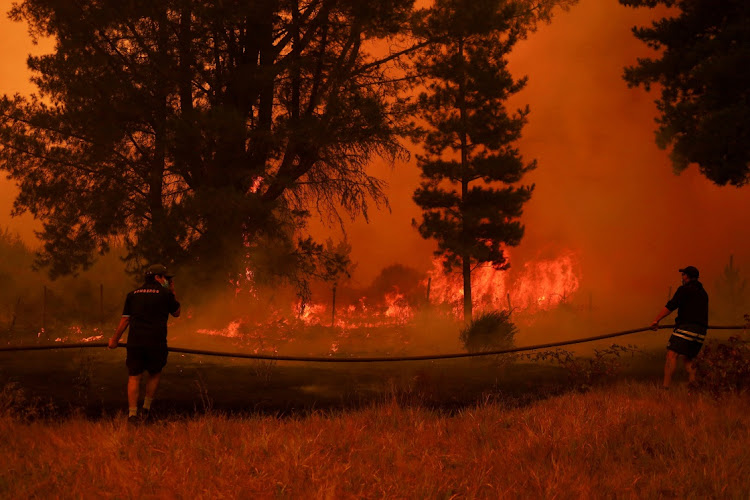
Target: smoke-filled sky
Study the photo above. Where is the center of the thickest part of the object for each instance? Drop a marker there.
(603, 189)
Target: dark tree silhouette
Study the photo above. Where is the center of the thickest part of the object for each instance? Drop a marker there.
(193, 130)
(704, 77)
(731, 293)
(470, 198)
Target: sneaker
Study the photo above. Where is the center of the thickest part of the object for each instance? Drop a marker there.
(145, 415)
(134, 420)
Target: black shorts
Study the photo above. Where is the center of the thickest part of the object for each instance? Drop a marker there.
(149, 358)
(687, 348)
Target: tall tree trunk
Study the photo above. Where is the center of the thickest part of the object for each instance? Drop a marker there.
(186, 144)
(466, 260)
(467, 290)
(295, 64)
(156, 180)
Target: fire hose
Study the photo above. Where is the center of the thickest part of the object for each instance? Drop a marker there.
(363, 359)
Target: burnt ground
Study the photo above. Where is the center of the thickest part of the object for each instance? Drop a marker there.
(92, 381)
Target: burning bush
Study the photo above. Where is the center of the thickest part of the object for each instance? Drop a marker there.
(490, 331)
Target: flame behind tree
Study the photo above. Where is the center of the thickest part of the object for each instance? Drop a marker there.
(469, 137)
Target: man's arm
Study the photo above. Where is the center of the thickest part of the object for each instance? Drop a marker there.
(124, 323)
(671, 305)
(176, 313)
(662, 314)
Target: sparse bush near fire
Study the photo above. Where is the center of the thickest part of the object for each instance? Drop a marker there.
(583, 372)
(491, 330)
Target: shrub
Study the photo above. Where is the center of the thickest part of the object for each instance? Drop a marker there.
(489, 331)
(15, 404)
(587, 371)
(724, 367)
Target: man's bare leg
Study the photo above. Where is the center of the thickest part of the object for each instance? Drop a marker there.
(152, 383)
(670, 365)
(134, 383)
(690, 367)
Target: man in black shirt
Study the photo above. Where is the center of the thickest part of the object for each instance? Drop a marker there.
(691, 302)
(146, 312)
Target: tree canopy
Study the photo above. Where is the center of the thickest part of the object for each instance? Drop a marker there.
(189, 128)
(703, 73)
(197, 132)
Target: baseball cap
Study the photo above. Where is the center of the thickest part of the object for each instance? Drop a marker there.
(691, 272)
(155, 269)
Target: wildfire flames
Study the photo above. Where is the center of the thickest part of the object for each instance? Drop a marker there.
(538, 285)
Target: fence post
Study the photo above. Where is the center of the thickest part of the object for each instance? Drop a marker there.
(44, 307)
(15, 315)
(333, 307)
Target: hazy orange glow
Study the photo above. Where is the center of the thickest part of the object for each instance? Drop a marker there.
(604, 191)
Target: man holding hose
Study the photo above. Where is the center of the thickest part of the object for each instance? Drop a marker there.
(146, 312)
(691, 323)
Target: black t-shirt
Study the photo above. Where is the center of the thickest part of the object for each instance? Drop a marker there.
(148, 308)
(691, 302)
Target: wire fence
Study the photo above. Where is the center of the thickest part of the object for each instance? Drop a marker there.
(53, 306)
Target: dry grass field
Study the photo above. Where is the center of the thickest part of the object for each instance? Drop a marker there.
(627, 439)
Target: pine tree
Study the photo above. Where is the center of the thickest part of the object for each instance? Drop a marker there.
(703, 73)
(470, 198)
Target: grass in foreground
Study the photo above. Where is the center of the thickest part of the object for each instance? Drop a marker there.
(626, 440)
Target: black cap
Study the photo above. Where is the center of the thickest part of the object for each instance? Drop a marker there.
(159, 269)
(691, 272)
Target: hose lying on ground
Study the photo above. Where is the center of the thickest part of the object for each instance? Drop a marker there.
(364, 359)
